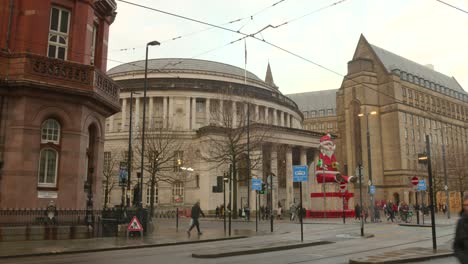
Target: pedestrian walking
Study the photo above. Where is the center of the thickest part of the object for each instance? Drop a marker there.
(460, 244)
(357, 212)
(279, 212)
(292, 211)
(196, 211)
(217, 212)
(247, 213)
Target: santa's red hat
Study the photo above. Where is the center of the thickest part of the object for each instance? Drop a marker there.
(326, 138)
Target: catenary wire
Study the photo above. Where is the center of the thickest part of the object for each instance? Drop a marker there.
(286, 51)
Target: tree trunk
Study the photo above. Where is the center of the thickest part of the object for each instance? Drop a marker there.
(153, 184)
(106, 194)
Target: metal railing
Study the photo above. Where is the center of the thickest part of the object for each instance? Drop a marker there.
(43, 216)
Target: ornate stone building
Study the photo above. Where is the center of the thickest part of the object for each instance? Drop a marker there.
(54, 98)
(186, 98)
(410, 101)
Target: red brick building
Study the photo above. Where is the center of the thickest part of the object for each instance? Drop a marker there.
(54, 98)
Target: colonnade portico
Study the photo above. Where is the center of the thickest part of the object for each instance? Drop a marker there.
(161, 110)
(279, 160)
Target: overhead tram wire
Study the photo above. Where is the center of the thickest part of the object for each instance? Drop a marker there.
(211, 27)
(464, 11)
(396, 100)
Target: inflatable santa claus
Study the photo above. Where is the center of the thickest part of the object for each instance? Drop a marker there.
(327, 166)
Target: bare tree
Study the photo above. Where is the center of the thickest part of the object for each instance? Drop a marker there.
(230, 138)
(163, 159)
(110, 173)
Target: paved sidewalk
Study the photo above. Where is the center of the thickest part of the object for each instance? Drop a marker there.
(166, 237)
(403, 256)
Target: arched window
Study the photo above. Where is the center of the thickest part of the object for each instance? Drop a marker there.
(49, 155)
(48, 167)
(50, 131)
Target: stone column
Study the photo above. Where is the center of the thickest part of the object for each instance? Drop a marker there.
(136, 115)
(164, 112)
(274, 170)
(194, 113)
(288, 120)
(123, 115)
(305, 185)
(220, 114)
(207, 112)
(150, 114)
(266, 115)
(234, 114)
(275, 117)
(289, 182)
(257, 116)
(187, 113)
(281, 123)
(171, 112)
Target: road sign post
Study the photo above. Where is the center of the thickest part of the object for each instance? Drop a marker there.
(257, 187)
(300, 174)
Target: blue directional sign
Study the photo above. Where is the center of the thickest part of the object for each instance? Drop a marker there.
(256, 184)
(372, 189)
(422, 185)
(300, 173)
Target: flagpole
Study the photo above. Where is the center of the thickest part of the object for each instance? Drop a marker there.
(248, 127)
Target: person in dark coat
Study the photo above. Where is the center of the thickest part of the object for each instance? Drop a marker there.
(460, 244)
(196, 211)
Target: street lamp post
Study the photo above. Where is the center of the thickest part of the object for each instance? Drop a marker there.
(369, 163)
(425, 158)
(225, 179)
(145, 88)
(129, 154)
(360, 198)
(445, 172)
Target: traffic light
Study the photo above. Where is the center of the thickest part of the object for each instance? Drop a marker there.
(263, 190)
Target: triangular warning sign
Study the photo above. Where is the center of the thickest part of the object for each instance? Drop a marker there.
(134, 225)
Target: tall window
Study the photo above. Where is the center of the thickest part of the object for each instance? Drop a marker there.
(178, 192)
(148, 195)
(93, 44)
(48, 156)
(48, 168)
(58, 33)
(107, 159)
(200, 106)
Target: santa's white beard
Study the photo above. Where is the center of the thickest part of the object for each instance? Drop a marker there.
(328, 153)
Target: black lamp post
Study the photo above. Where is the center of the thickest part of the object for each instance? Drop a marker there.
(369, 164)
(152, 43)
(89, 203)
(129, 155)
(425, 158)
(225, 180)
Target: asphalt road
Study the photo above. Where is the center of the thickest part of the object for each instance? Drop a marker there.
(347, 245)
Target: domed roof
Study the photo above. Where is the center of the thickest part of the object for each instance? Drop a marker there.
(183, 65)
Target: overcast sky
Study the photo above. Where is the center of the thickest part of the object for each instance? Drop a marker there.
(425, 31)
